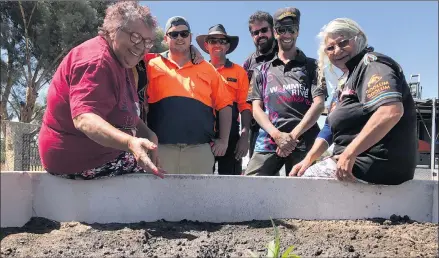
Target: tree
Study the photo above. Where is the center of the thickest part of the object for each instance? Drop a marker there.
(159, 45)
(36, 36)
(10, 45)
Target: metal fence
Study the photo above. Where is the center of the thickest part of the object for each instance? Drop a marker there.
(3, 149)
(30, 155)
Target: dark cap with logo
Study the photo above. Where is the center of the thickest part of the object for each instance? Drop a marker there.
(175, 21)
(287, 12)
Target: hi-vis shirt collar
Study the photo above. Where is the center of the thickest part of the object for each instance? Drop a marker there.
(227, 64)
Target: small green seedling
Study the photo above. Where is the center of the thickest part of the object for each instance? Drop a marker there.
(274, 247)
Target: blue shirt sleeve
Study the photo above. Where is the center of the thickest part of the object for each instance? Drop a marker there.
(326, 133)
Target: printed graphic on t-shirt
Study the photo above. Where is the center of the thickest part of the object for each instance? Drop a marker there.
(282, 98)
(347, 92)
(287, 91)
(378, 89)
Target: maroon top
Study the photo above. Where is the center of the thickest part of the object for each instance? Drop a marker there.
(89, 80)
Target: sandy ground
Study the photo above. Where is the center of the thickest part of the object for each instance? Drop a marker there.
(397, 237)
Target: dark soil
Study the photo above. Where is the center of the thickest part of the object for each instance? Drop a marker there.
(396, 237)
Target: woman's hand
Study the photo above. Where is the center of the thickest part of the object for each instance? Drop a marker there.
(345, 163)
(301, 167)
(140, 147)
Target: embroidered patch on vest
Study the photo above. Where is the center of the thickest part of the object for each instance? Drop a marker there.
(231, 79)
(369, 58)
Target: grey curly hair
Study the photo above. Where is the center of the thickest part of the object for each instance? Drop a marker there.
(346, 27)
(119, 14)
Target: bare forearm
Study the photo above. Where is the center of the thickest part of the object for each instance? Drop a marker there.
(143, 130)
(263, 120)
(246, 117)
(309, 119)
(100, 131)
(318, 148)
(379, 124)
(225, 122)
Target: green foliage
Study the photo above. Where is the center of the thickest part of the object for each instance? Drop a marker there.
(53, 28)
(273, 247)
(159, 45)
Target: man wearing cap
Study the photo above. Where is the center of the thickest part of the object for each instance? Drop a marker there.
(218, 44)
(260, 25)
(286, 101)
(141, 78)
(182, 97)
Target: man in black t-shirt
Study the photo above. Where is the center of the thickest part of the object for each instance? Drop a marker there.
(260, 25)
(286, 101)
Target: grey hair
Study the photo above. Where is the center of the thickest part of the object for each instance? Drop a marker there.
(119, 14)
(345, 27)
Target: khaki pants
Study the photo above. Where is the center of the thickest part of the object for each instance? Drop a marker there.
(186, 159)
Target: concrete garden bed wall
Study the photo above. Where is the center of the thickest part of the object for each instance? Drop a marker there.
(134, 198)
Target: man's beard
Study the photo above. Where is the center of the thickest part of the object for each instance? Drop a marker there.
(179, 49)
(286, 46)
(265, 47)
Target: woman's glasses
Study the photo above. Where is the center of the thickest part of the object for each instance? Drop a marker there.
(137, 39)
(342, 44)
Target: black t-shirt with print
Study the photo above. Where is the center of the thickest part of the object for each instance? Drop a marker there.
(287, 91)
(257, 58)
(253, 61)
(375, 79)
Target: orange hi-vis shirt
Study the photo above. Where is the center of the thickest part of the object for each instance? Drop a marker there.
(237, 84)
(182, 100)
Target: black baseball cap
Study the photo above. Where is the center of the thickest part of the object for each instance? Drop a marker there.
(287, 12)
(175, 21)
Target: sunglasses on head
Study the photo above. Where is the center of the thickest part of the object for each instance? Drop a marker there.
(182, 33)
(261, 30)
(284, 29)
(342, 44)
(221, 41)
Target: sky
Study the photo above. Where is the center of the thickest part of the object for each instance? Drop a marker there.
(405, 31)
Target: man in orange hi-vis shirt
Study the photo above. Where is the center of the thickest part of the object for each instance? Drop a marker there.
(182, 99)
(141, 78)
(218, 44)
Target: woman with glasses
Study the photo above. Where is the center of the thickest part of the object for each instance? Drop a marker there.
(91, 127)
(372, 120)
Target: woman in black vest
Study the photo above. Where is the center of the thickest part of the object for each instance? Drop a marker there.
(373, 123)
